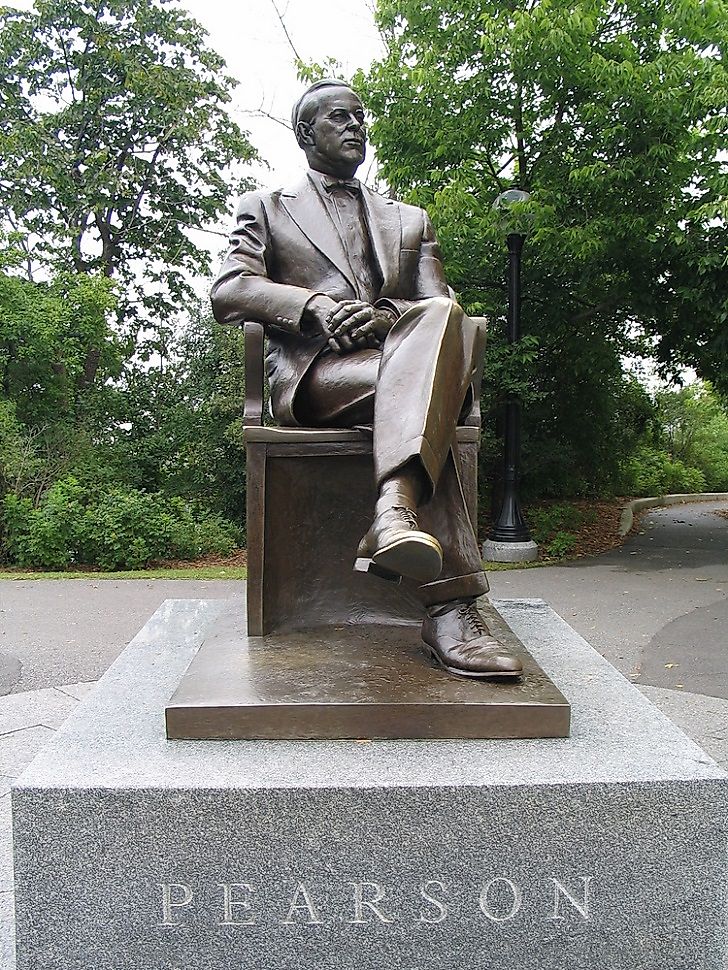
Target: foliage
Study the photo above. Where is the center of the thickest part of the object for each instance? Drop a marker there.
(47, 331)
(114, 528)
(119, 425)
(226, 571)
(49, 406)
(651, 471)
(116, 142)
(686, 447)
(693, 425)
(560, 545)
(611, 114)
(180, 429)
(552, 527)
(546, 520)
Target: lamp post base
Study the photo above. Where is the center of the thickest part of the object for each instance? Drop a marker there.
(509, 551)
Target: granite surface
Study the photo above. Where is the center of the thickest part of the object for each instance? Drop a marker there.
(605, 850)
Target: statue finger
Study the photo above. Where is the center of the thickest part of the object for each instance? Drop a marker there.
(363, 330)
(353, 322)
(345, 342)
(342, 311)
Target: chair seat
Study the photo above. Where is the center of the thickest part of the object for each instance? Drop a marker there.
(277, 436)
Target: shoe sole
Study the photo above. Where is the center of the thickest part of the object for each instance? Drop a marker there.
(416, 555)
(365, 565)
(473, 674)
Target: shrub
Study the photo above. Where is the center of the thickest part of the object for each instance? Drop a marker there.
(651, 471)
(560, 545)
(551, 527)
(113, 528)
(47, 535)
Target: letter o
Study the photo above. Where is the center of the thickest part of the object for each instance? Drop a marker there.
(515, 892)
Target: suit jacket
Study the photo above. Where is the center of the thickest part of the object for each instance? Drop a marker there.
(286, 248)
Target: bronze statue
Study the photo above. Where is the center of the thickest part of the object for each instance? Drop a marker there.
(362, 330)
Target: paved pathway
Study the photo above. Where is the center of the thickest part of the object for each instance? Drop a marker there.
(657, 608)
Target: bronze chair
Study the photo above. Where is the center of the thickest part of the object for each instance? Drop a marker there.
(299, 573)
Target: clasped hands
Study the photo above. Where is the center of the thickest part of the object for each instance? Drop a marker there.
(349, 324)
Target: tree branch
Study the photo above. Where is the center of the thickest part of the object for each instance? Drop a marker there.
(262, 113)
(68, 65)
(285, 30)
(610, 303)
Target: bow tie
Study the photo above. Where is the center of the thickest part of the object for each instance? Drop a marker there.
(348, 185)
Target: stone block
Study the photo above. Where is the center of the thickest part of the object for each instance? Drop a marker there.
(603, 850)
(509, 551)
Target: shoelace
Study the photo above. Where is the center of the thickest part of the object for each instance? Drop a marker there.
(407, 515)
(476, 622)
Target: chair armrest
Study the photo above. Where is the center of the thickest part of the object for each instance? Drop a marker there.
(254, 346)
(473, 419)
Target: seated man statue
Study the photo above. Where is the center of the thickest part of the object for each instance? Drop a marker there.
(362, 330)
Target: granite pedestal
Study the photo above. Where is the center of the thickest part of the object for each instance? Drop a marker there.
(603, 850)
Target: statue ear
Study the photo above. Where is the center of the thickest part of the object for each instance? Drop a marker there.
(304, 134)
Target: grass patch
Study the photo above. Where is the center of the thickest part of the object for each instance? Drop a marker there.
(499, 567)
(202, 572)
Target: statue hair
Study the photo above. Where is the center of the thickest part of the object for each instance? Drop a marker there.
(305, 108)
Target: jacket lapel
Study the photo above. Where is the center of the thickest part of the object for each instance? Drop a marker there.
(308, 211)
(385, 232)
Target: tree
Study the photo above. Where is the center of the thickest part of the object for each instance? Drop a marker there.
(115, 144)
(611, 113)
(47, 409)
(180, 431)
(693, 429)
(116, 147)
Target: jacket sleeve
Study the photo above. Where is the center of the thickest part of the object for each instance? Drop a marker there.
(243, 290)
(429, 279)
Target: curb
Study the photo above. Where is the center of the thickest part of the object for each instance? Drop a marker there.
(639, 504)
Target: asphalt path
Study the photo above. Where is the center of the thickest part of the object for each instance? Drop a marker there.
(69, 631)
(657, 608)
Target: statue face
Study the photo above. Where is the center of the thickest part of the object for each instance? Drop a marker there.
(335, 140)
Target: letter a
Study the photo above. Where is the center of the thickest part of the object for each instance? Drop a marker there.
(307, 905)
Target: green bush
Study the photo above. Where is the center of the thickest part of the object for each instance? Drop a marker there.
(560, 545)
(113, 528)
(551, 527)
(545, 521)
(651, 471)
(49, 534)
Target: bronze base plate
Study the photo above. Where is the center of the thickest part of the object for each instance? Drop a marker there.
(361, 682)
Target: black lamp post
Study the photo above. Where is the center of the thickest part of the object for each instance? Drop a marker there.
(510, 526)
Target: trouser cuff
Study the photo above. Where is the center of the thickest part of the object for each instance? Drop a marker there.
(454, 588)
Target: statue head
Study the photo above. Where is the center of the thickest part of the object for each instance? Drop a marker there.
(328, 121)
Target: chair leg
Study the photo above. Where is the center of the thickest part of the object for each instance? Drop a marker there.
(466, 456)
(256, 458)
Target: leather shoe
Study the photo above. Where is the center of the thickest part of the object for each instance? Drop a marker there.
(457, 638)
(394, 546)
